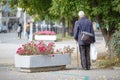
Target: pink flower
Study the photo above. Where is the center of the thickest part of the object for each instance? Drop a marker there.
(35, 45)
(46, 32)
(17, 52)
(23, 45)
(51, 44)
(52, 55)
(41, 49)
(19, 48)
(32, 48)
(52, 33)
(28, 52)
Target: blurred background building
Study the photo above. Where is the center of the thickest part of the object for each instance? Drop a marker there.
(10, 18)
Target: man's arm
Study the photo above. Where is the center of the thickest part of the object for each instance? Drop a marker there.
(76, 30)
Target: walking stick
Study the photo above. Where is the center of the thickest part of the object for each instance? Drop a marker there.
(77, 55)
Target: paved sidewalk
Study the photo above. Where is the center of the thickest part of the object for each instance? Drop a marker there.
(71, 74)
(9, 43)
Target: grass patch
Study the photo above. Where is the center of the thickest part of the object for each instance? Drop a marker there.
(67, 37)
(108, 62)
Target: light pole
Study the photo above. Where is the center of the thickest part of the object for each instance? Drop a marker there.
(31, 29)
(24, 31)
(36, 25)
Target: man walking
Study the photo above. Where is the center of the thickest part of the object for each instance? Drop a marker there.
(83, 24)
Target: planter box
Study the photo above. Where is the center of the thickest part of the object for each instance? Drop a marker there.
(45, 37)
(41, 62)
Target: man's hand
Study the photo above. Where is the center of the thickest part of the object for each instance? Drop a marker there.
(76, 41)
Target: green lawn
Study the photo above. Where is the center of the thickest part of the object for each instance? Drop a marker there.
(67, 37)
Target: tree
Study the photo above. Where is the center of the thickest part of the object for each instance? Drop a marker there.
(106, 12)
(37, 8)
(64, 10)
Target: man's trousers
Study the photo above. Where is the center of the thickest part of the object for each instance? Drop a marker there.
(85, 56)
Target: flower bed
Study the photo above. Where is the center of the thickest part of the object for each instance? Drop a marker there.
(40, 55)
(45, 35)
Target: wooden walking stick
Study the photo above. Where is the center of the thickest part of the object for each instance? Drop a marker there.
(77, 55)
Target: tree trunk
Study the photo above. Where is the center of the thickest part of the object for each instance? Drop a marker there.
(68, 27)
(73, 23)
(107, 34)
(63, 27)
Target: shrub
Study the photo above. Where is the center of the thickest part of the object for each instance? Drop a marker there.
(113, 56)
(107, 61)
(114, 44)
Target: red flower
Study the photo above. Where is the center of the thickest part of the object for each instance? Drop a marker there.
(41, 49)
(32, 48)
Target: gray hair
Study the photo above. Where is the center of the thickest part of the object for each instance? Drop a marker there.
(81, 14)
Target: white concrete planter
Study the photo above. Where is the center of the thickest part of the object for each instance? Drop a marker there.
(40, 61)
(45, 37)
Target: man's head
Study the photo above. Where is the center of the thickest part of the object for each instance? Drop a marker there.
(81, 14)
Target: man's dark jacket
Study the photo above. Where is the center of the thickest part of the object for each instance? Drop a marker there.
(82, 24)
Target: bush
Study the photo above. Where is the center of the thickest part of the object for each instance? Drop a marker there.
(113, 56)
(114, 44)
(108, 62)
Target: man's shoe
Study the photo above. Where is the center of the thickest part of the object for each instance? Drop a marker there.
(87, 68)
(84, 68)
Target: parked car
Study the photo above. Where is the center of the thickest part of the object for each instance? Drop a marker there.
(3, 28)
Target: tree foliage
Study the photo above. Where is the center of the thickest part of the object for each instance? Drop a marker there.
(107, 9)
(34, 7)
(103, 11)
(107, 12)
